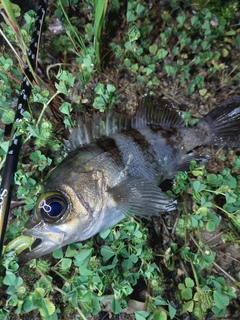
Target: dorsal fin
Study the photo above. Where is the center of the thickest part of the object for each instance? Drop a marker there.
(90, 129)
(157, 112)
(149, 112)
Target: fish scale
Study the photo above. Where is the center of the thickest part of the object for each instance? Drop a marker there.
(136, 154)
(117, 167)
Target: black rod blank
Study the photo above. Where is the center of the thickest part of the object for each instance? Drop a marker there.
(16, 142)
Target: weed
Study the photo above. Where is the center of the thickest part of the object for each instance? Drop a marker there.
(190, 49)
(106, 97)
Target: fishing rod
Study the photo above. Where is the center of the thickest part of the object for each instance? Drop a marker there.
(16, 141)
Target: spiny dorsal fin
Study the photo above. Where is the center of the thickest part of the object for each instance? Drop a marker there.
(159, 113)
(90, 129)
(149, 112)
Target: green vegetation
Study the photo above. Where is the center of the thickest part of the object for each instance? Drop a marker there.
(108, 52)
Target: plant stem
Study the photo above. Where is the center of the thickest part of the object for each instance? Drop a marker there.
(198, 290)
(59, 290)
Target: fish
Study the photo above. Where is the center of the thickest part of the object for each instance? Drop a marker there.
(115, 166)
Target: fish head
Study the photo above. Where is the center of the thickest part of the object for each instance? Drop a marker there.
(67, 213)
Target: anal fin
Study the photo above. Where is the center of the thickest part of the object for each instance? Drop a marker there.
(184, 162)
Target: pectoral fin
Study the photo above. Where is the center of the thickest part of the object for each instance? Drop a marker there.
(138, 196)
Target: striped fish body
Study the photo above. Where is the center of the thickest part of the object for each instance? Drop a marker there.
(99, 183)
(141, 153)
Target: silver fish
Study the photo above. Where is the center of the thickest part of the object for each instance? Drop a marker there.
(117, 167)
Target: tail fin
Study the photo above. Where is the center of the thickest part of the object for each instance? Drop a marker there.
(224, 123)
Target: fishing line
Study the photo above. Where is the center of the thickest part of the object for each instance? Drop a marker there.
(16, 141)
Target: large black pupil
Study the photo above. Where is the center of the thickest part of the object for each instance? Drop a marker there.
(56, 209)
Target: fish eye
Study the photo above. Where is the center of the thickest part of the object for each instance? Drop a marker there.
(52, 206)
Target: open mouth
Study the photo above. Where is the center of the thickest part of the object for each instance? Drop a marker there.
(43, 244)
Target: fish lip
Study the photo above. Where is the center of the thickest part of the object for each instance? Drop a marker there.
(47, 245)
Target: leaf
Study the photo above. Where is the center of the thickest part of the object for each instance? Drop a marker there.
(127, 264)
(71, 251)
(159, 315)
(150, 69)
(28, 303)
(47, 308)
(206, 203)
(107, 253)
(221, 281)
(153, 49)
(162, 53)
(99, 89)
(11, 280)
(65, 108)
(230, 198)
(230, 181)
(141, 315)
(116, 306)
(127, 62)
(61, 88)
(181, 18)
(66, 263)
(19, 244)
(210, 226)
(82, 258)
(186, 294)
(11, 16)
(230, 33)
(202, 211)
(220, 312)
(189, 283)
(110, 88)
(221, 300)
(159, 301)
(8, 116)
(181, 286)
(58, 254)
(197, 173)
(100, 12)
(130, 16)
(99, 102)
(89, 29)
(202, 92)
(4, 145)
(194, 222)
(188, 306)
(140, 9)
(209, 258)
(225, 52)
(104, 234)
(198, 186)
(133, 258)
(172, 311)
(39, 293)
(87, 297)
(194, 20)
(84, 271)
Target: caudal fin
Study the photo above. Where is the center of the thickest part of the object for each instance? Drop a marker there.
(223, 122)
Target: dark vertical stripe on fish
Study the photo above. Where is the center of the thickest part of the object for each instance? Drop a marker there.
(107, 144)
(143, 144)
(139, 157)
(139, 139)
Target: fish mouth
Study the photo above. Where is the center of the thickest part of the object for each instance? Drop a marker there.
(44, 243)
